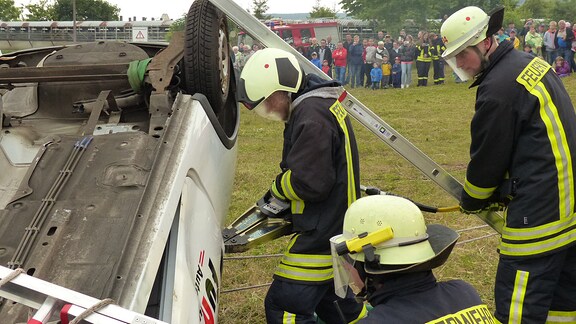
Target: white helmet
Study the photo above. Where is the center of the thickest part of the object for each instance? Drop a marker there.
(468, 27)
(267, 71)
(413, 247)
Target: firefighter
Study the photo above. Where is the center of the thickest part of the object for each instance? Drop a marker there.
(387, 256)
(437, 61)
(319, 178)
(523, 156)
(424, 59)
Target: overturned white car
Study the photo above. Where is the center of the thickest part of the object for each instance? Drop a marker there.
(117, 164)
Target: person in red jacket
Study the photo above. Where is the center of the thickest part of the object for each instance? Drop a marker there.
(340, 56)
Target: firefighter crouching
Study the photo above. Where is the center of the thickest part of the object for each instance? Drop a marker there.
(386, 255)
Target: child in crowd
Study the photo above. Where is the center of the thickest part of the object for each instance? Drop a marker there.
(376, 76)
(325, 67)
(396, 73)
(561, 67)
(528, 49)
(315, 60)
(500, 36)
(386, 71)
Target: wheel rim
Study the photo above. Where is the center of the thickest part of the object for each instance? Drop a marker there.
(224, 56)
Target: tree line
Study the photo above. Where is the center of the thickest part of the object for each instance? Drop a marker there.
(391, 15)
(60, 10)
(102, 10)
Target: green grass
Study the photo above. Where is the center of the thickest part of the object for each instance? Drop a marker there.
(435, 119)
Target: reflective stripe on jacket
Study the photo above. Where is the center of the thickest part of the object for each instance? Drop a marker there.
(424, 52)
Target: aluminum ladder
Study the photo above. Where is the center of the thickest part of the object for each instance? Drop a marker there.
(49, 299)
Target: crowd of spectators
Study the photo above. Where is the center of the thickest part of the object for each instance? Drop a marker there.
(358, 63)
(553, 42)
(388, 60)
(241, 54)
(352, 61)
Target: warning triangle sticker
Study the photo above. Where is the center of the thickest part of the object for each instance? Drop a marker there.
(140, 35)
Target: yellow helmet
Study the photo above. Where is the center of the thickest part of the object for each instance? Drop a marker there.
(413, 243)
(412, 247)
(267, 71)
(468, 27)
(410, 243)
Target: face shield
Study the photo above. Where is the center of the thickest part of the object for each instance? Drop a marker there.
(346, 249)
(345, 253)
(461, 73)
(345, 274)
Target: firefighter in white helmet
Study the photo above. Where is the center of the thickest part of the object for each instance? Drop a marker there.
(522, 160)
(386, 255)
(319, 178)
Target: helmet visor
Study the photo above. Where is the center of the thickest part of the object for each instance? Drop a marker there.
(463, 75)
(345, 274)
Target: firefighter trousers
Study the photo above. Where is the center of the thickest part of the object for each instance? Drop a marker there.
(423, 68)
(538, 289)
(438, 71)
(294, 303)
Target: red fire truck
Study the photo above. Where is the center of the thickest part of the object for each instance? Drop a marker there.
(299, 32)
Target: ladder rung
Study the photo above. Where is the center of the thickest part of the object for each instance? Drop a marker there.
(45, 311)
(69, 312)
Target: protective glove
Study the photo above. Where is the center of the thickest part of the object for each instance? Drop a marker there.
(489, 206)
(275, 192)
(505, 192)
(497, 202)
(273, 205)
(469, 211)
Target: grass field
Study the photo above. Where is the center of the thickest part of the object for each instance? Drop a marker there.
(435, 119)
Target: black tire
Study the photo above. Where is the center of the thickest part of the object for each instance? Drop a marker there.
(207, 64)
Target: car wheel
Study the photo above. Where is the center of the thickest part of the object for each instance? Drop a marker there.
(207, 65)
